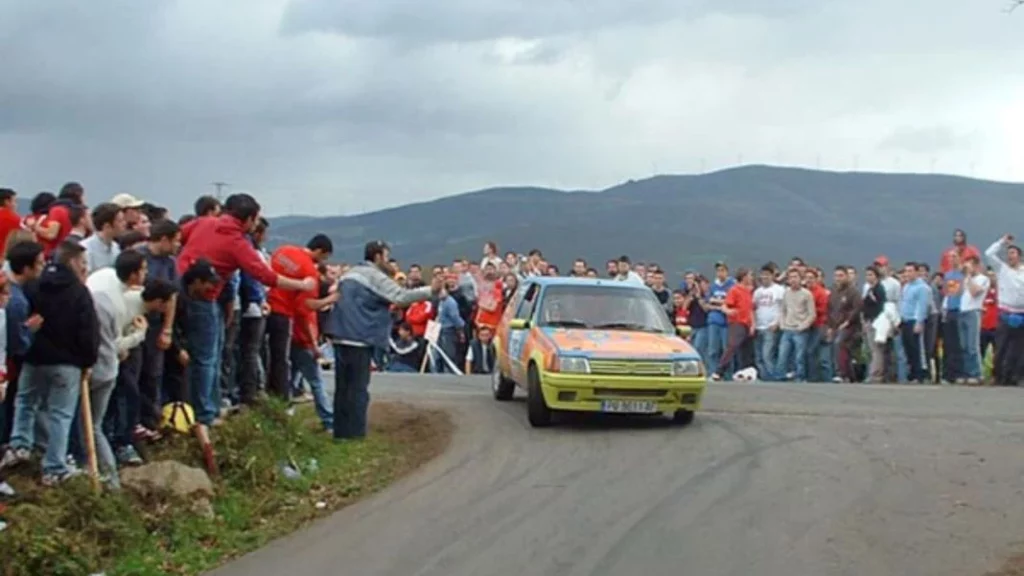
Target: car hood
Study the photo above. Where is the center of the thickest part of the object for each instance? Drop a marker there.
(619, 343)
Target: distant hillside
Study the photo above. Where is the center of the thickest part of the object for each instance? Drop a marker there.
(746, 215)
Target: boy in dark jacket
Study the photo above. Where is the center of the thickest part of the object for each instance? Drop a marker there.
(65, 347)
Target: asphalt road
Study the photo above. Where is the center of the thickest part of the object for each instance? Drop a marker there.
(773, 480)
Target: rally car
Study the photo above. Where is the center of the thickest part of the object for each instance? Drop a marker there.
(594, 345)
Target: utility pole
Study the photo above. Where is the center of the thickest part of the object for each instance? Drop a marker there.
(220, 187)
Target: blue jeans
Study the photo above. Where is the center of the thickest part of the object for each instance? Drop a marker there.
(205, 334)
(795, 342)
(969, 329)
(817, 352)
(448, 343)
(902, 366)
(304, 364)
(764, 352)
(351, 390)
(99, 399)
(718, 341)
(699, 341)
(61, 385)
(400, 368)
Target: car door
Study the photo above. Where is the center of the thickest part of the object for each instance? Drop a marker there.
(518, 337)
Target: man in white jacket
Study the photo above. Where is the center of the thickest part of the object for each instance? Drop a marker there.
(120, 309)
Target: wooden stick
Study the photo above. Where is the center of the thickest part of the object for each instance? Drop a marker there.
(426, 356)
(90, 437)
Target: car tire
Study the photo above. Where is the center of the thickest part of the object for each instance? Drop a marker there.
(502, 387)
(683, 417)
(537, 410)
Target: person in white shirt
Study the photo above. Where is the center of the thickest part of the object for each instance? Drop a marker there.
(101, 248)
(767, 304)
(975, 288)
(626, 273)
(1008, 367)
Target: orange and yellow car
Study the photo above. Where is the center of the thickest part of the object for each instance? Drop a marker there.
(594, 345)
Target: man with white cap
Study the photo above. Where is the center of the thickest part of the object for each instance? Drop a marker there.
(131, 206)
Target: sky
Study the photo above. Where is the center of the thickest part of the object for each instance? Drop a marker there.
(345, 106)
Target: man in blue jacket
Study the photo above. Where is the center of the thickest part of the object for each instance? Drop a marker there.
(360, 321)
(916, 297)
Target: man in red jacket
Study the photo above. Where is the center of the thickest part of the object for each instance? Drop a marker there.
(292, 324)
(222, 241)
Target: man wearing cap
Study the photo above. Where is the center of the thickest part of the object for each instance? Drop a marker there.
(360, 322)
(132, 208)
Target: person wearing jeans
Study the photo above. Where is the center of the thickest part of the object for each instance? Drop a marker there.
(914, 303)
(976, 287)
(306, 363)
(767, 300)
(223, 242)
(717, 325)
(796, 315)
(66, 344)
(360, 320)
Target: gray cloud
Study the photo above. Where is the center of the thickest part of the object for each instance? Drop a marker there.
(340, 106)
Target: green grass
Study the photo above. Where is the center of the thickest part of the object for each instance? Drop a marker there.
(71, 530)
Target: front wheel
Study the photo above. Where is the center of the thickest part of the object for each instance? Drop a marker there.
(537, 410)
(683, 417)
(502, 387)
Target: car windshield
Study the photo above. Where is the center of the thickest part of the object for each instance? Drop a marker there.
(602, 308)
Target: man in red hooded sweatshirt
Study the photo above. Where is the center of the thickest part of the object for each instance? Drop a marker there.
(223, 241)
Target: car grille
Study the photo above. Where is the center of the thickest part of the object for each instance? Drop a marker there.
(630, 368)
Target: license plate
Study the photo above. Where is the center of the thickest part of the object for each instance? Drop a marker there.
(629, 406)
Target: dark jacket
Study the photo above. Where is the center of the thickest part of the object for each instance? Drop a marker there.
(844, 304)
(874, 301)
(70, 334)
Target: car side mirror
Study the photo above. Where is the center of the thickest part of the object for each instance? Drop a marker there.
(518, 324)
(683, 331)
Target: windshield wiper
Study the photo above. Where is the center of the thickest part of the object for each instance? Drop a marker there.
(627, 326)
(566, 324)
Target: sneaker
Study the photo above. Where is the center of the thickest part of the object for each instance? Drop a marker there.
(51, 480)
(7, 491)
(973, 381)
(13, 457)
(128, 456)
(716, 377)
(304, 398)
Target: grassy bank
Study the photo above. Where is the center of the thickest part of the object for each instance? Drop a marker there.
(70, 530)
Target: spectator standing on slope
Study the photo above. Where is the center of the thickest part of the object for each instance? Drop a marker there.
(819, 351)
(9, 219)
(952, 286)
(101, 248)
(990, 316)
(65, 346)
(223, 241)
(1010, 294)
(26, 262)
(360, 322)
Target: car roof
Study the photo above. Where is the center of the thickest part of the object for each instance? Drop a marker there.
(543, 281)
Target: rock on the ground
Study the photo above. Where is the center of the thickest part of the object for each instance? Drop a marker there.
(167, 476)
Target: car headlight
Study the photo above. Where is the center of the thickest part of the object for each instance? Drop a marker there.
(573, 365)
(687, 368)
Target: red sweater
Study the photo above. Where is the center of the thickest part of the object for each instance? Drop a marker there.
(223, 242)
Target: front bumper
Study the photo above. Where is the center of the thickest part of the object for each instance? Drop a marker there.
(586, 392)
